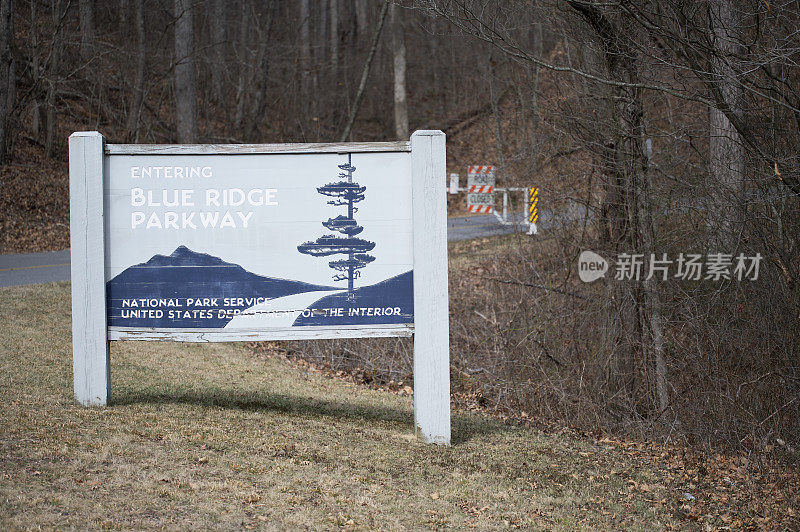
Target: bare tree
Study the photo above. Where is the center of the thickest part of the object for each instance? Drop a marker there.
(333, 11)
(399, 64)
(86, 17)
(711, 46)
(59, 12)
(218, 36)
(533, 72)
(361, 18)
(639, 311)
(726, 150)
(244, 64)
(257, 109)
(38, 118)
(365, 72)
(7, 76)
(494, 99)
(305, 46)
(628, 212)
(135, 111)
(185, 77)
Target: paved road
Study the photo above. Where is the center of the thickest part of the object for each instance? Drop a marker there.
(52, 266)
(34, 268)
(466, 227)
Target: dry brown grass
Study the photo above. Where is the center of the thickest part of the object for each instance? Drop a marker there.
(212, 436)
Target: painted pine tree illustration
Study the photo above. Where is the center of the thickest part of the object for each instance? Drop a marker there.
(345, 193)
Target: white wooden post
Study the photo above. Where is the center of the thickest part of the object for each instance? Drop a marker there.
(90, 355)
(431, 316)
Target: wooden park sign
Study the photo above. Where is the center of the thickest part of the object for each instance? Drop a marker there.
(214, 243)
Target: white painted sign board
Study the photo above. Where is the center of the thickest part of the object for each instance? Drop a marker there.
(480, 189)
(261, 242)
(453, 188)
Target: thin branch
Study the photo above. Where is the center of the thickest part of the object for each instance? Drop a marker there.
(539, 286)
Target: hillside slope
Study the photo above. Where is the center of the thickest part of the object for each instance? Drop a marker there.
(203, 436)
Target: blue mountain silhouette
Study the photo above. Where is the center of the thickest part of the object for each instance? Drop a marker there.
(396, 294)
(186, 274)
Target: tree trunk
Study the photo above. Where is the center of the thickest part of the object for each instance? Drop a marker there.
(37, 119)
(399, 53)
(7, 81)
(333, 11)
(320, 109)
(86, 17)
(361, 18)
(262, 76)
(185, 76)
(218, 35)
(436, 67)
(52, 77)
(631, 163)
(533, 78)
(305, 48)
(494, 97)
(244, 69)
(135, 111)
(726, 151)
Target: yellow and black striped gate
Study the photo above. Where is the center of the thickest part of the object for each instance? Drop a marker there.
(533, 210)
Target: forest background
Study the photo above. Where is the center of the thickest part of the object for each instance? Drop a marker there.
(667, 127)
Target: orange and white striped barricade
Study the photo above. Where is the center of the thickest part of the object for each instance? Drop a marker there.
(480, 189)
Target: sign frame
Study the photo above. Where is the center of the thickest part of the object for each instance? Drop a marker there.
(90, 331)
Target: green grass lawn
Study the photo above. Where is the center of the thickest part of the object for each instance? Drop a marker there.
(200, 436)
